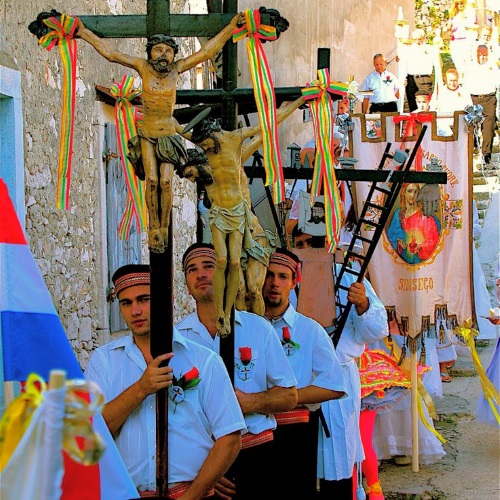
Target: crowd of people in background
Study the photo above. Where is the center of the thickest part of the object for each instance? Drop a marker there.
(472, 79)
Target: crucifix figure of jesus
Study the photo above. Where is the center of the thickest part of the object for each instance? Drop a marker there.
(157, 149)
(233, 226)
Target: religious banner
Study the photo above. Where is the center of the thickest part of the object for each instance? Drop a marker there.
(422, 264)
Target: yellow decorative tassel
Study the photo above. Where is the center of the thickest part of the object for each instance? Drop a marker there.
(375, 488)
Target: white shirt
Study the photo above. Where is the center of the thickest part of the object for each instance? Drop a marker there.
(419, 59)
(451, 100)
(384, 87)
(337, 454)
(463, 24)
(209, 409)
(268, 368)
(314, 362)
(482, 78)
(448, 101)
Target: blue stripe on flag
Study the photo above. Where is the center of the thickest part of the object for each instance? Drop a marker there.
(35, 343)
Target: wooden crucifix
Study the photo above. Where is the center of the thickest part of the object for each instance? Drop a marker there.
(158, 20)
(158, 25)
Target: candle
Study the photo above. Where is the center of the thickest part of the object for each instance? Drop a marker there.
(400, 13)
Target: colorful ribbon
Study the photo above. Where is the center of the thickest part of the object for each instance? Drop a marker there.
(17, 417)
(80, 441)
(396, 351)
(424, 420)
(82, 400)
(62, 35)
(317, 93)
(125, 114)
(490, 391)
(411, 130)
(264, 97)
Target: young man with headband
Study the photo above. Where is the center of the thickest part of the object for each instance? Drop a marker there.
(203, 412)
(319, 376)
(263, 379)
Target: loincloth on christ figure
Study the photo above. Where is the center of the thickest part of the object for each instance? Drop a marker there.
(239, 218)
(259, 252)
(168, 149)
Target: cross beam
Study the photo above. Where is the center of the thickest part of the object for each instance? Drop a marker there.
(243, 99)
(367, 175)
(141, 26)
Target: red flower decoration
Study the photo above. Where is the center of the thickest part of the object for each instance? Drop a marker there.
(287, 338)
(188, 380)
(245, 355)
(286, 334)
(193, 373)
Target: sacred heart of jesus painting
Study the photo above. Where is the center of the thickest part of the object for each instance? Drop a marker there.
(414, 229)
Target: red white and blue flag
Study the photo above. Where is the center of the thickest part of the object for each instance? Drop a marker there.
(33, 340)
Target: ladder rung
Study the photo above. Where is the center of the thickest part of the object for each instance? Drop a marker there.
(352, 271)
(382, 208)
(371, 222)
(354, 254)
(365, 221)
(362, 238)
(383, 189)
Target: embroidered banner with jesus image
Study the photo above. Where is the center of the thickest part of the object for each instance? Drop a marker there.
(424, 257)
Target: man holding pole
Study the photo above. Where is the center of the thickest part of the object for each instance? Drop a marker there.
(203, 412)
(341, 447)
(264, 381)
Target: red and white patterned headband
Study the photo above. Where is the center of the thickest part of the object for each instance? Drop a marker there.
(206, 252)
(132, 279)
(282, 259)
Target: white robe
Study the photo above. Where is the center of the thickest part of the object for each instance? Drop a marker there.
(338, 453)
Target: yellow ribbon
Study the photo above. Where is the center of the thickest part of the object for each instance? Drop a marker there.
(82, 401)
(428, 426)
(17, 417)
(490, 391)
(80, 441)
(406, 369)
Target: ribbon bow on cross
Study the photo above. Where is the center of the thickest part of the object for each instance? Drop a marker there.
(125, 115)
(62, 36)
(264, 97)
(317, 94)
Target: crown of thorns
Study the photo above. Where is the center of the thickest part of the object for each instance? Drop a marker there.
(203, 129)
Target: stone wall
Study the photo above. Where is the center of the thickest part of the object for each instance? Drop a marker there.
(70, 246)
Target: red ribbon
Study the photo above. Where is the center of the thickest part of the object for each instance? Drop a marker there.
(411, 130)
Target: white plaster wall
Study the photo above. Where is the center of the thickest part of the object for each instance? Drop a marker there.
(354, 31)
